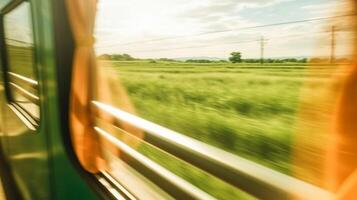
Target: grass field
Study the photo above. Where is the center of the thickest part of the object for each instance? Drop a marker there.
(247, 109)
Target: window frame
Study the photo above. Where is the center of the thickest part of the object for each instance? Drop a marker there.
(25, 116)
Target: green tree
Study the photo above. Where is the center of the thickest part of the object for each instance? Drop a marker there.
(104, 57)
(236, 57)
(127, 57)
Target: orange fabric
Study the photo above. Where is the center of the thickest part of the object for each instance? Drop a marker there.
(85, 140)
(325, 146)
(348, 191)
(112, 92)
(342, 157)
(341, 168)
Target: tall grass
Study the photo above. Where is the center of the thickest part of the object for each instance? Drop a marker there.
(249, 110)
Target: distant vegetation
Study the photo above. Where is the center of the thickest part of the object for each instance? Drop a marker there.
(117, 57)
(271, 60)
(236, 57)
(205, 61)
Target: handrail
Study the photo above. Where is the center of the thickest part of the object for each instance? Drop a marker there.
(23, 117)
(28, 95)
(255, 179)
(172, 184)
(115, 183)
(27, 81)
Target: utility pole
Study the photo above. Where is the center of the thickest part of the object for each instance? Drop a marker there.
(333, 44)
(262, 46)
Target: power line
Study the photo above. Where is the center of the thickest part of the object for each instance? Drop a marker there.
(195, 47)
(229, 30)
(223, 44)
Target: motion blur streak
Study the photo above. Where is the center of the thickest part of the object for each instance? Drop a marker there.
(247, 108)
(331, 115)
(342, 158)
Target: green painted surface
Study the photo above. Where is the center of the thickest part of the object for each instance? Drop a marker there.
(66, 182)
(41, 167)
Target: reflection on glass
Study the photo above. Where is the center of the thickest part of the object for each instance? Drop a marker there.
(3, 3)
(259, 80)
(20, 58)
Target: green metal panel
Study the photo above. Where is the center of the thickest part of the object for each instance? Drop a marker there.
(39, 160)
(27, 149)
(4, 144)
(66, 181)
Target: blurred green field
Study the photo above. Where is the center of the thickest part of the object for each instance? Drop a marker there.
(247, 109)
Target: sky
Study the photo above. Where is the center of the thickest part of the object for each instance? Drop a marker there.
(18, 25)
(183, 28)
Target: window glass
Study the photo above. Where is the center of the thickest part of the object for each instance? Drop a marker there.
(3, 3)
(258, 79)
(20, 58)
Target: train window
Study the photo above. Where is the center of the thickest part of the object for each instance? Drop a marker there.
(18, 32)
(3, 3)
(189, 85)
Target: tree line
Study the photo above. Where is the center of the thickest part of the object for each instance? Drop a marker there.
(235, 57)
(117, 57)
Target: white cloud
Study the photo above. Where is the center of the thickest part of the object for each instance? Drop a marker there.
(329, 8)
(120, 22)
